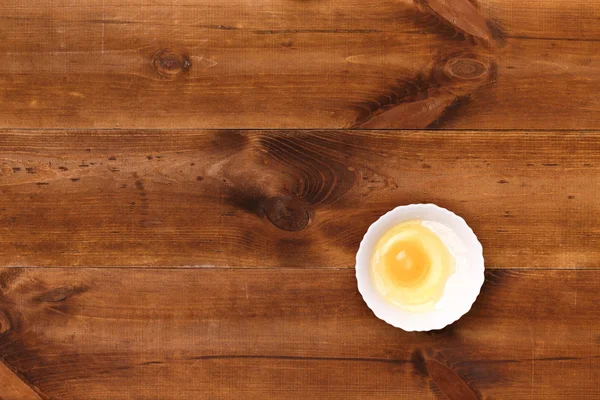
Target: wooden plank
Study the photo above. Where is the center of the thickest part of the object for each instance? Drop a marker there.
(295, 199)
(283, 64)
(532, 20)
(289, 333)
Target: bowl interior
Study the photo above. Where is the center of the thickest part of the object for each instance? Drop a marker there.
(471, 281)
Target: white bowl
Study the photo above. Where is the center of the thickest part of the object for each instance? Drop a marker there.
(469, 284)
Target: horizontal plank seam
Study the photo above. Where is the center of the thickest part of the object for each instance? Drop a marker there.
(297, 358)
(381, 360)
(167, 129)
(357, 359)
(510, 361)
(565, 39)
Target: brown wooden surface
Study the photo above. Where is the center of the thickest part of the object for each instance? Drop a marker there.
(166, 233)
(299, 64)
(288, 333)
(13, 387)
(189, 198)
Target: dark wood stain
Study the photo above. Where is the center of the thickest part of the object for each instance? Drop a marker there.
(60, 294)
(286, 213)
(250, 199)
(448, 381)
(169, 63)
(450, 113)
(419, 363)
(322, 177)
(432, 95)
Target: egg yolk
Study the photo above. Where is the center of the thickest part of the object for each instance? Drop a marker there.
(410, 266)
(406, 262)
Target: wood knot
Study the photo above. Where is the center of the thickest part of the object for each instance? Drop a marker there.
(169, 64)
(449, 382)
(60, 294)
(464, 68)
(286, 213)
(462, 73)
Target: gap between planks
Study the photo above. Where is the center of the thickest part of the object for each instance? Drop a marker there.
(209, 129)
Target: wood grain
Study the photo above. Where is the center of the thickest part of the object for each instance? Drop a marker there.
(290, 199)
(167, 233)
(289, 333)
(299, 64)
(13, 388)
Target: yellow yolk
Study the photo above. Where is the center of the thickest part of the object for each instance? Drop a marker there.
(406, 262)
(410, 266)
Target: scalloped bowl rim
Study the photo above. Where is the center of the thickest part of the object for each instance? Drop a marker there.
(435, 319)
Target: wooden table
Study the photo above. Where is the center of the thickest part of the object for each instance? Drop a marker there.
(184, 185)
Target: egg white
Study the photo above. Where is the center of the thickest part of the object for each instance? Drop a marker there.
(456, 247)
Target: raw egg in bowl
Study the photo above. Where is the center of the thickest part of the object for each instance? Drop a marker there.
(419, 267)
